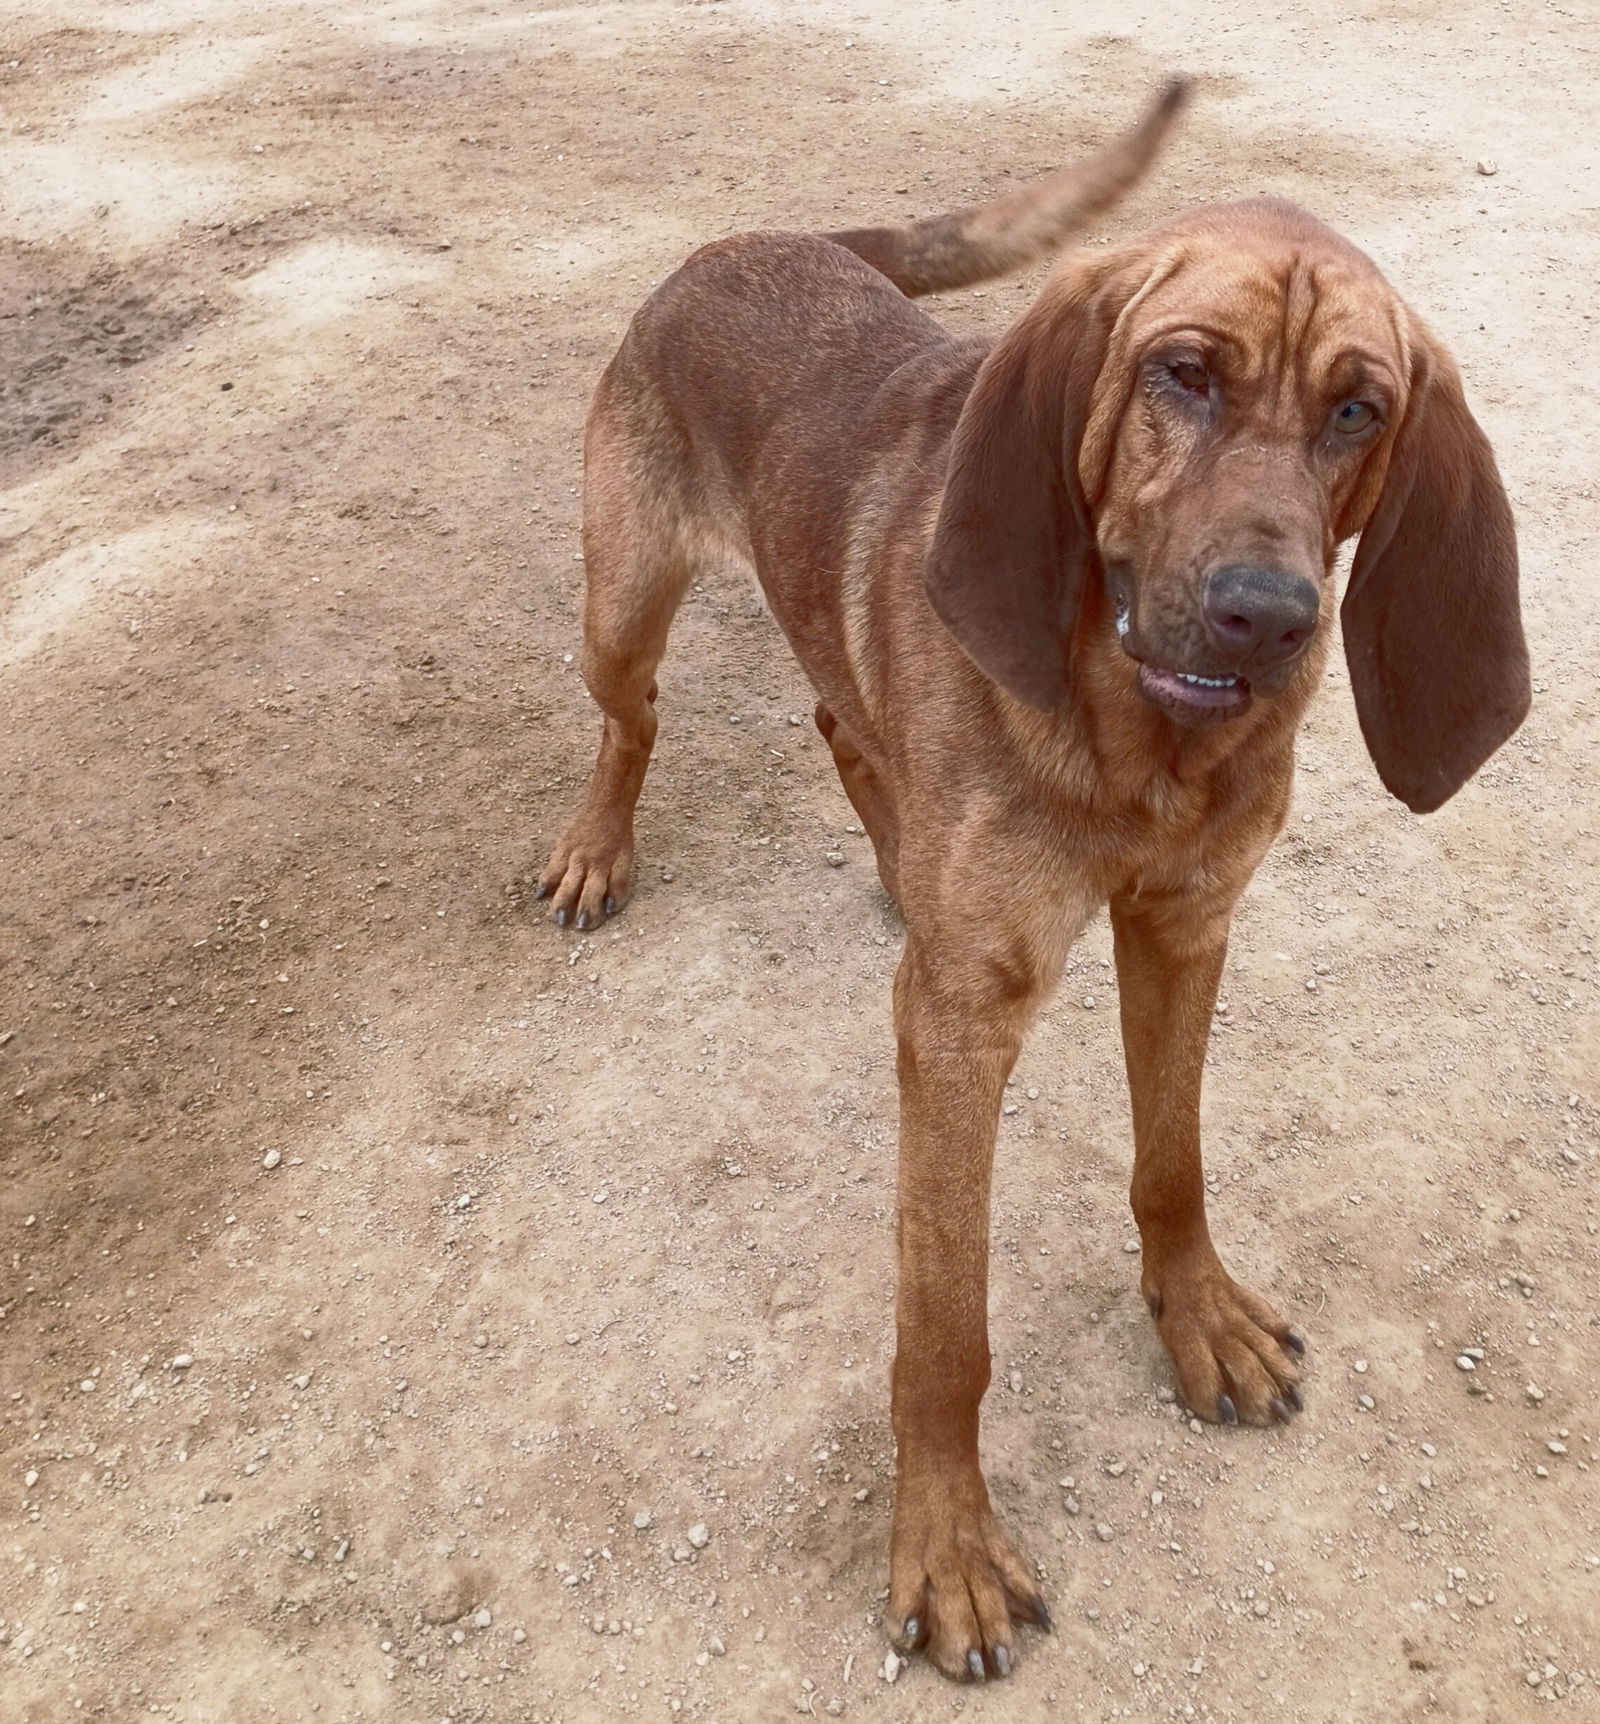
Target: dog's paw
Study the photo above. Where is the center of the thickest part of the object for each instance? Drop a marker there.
(1236, 1358)
(958, 1587)
(588, 874)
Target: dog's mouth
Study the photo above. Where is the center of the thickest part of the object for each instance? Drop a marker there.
(1193, 699)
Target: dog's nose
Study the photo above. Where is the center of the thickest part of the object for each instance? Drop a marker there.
(1259, 616)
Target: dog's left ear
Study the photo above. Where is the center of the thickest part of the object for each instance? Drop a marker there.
(1432, 627)
(1013, 541)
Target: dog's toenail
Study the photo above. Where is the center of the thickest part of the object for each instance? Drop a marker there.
(1280, 1412)
(611, 906)
(1296, 1341)
(1002, 1661)
(1226, 1411)
(543, 891)
(582, 922)
(1154, 1302)
(1041, 1615)
(975, 1665)
(1293, 1396)
(561, 918)
(912, 1631)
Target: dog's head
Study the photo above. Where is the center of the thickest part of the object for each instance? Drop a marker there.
(1197, 421)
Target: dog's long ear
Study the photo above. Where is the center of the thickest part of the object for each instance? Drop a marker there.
(1432, 627)
(1014, 539)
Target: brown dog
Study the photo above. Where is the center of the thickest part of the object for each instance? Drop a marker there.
(1064, 597)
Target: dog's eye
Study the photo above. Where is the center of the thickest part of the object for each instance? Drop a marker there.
(1354, 416)
(1190, 374)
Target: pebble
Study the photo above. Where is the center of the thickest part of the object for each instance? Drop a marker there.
(1488, 168)
(30, 1478)
(271, 1158)
(1534, 1393)
(1361, 1366)
(481, 1618)
(1463, 1363)
(642, 1519)
(834, 858)
(1104, 1531)
(182, 1361)
(891, 1665)
(1131, 1246)
(519, 1635)
(698, 1536)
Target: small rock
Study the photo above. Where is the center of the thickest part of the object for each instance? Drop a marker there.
(272, 1158)
(698, 1536)
(30, 1479)
(1360, 1365)
(182, 1361)
(1488, 168)
(1131, 1246)
(1463, 1363)
(1104, 1531)
(892, 1663)
(642, 1519)
(519, 1635)
(481, 1618)
(834, 858)
(1534, 1394)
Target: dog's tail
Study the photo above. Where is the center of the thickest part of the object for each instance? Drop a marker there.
(1010, 232)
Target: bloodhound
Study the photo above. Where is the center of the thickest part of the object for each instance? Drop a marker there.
(1064, 596)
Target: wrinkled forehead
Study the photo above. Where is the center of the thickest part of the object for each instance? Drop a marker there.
(1273, 291)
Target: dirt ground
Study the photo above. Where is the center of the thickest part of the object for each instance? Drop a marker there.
(390, 1281)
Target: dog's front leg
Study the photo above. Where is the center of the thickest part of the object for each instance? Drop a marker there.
(957, 1583)
(1234, 1354)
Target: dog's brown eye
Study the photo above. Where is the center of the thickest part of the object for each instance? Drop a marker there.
(1354, 416)
(1190, 374)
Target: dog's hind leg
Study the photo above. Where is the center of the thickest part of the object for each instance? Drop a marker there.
(638, 561)
(867, 796)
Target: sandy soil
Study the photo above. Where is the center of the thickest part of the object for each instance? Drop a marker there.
(374, 1257)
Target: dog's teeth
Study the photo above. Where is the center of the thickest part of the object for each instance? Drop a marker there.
(1207, 681)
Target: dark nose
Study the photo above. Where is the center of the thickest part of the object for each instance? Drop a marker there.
(1259, 616)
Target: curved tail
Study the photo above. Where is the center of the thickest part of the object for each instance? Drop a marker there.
(1010, 232)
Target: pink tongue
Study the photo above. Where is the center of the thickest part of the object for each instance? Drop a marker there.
(1170, 684)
